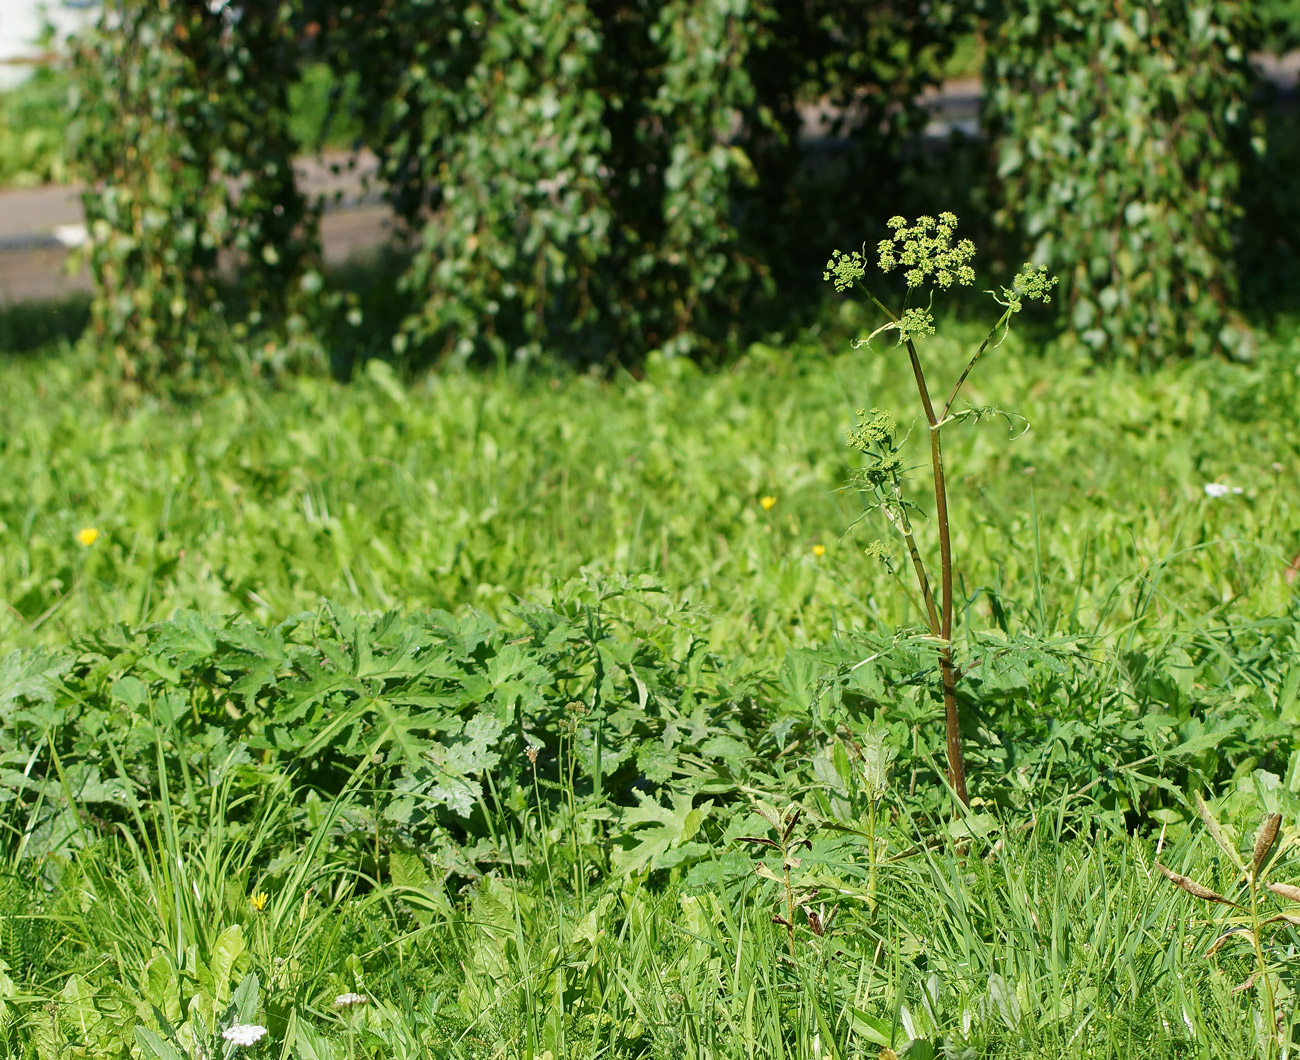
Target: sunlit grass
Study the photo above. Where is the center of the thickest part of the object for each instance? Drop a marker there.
(476, 490)
(1043, 933)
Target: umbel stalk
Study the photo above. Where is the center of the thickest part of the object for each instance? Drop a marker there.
(927, 251)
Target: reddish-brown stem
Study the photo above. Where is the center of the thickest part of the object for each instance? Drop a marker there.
(947, 672)
(952, 723)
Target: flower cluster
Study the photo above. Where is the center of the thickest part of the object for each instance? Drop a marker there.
(350, 999)
(878, 550)
(1032, 283)
(915, 324)
(845, 269)
(244, 1034)
(873, 428)
(926, 249)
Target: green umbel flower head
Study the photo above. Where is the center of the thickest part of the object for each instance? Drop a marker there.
(844, 270)
(1032, 283)
(874, 428)
(915, 324)
(926, 250)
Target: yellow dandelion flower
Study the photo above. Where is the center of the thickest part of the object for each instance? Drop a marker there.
(258, 900)
(819, 551)
(768, 503)
(88, 536)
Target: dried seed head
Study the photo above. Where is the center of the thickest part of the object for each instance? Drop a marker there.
(1286, 890)
(1265, 840)
(1193, 888)
(818, 919)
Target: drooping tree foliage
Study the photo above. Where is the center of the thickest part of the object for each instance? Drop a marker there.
(1121, 130)
(606, 177)
(615, 175)
(180, 131)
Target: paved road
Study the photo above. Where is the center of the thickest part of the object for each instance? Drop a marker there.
(38, 271)
(38, 225)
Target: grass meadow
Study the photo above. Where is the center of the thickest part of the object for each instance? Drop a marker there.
(555, 716)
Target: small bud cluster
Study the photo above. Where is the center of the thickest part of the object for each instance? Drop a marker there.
(926, 249)
(1032, 283)
(878, 550)
(873, 428)
(915, 324)
(845, 269)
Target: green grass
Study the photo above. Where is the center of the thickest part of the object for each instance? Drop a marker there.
(153, 780)
(967, 59)
(476, 490)
(1030, 945)
(316, 120)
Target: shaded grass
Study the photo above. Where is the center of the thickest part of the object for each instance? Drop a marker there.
(40, 328)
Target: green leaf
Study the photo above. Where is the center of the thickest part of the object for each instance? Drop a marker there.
(244, 1001)
(656, 830)
(226, 952)
(874, 1029)
(155, 1047)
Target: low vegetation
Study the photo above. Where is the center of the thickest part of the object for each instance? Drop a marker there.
(559, 716)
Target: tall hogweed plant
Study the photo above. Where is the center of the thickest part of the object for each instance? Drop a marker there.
(927, 251)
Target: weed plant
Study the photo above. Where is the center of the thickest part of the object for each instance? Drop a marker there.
(927, 251)
(1264, 933)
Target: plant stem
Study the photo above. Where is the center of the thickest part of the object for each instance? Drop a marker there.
(948, 675)
(961, 379)
(789, 898)
(918, 564)
(1266, 984)
(871, 865)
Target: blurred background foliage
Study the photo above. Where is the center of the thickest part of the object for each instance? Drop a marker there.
(1120, 147)
(603, 178)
